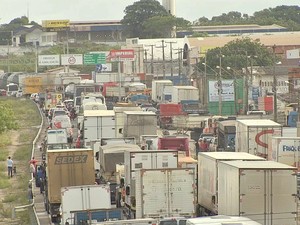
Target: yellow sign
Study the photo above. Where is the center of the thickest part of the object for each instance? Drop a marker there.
(55, 23)
(33, 81)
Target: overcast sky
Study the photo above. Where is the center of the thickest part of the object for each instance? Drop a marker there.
(83, 10)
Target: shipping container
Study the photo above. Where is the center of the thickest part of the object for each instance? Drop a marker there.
(208, 163)
(263, 191)
(180, 144)
(252, 136)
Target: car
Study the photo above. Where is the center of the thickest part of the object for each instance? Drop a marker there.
(207, 136)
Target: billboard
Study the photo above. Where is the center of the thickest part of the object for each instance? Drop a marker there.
(227, 91)
(48, 60)
(55, 23)
(121, 55)
(75, 59)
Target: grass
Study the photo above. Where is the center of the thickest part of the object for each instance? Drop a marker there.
(27, 116)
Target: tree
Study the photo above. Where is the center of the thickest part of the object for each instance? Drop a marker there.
(137, 14)
(238, 55)
(7, 118)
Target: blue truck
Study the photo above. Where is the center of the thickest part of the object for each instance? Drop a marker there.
(99, 215)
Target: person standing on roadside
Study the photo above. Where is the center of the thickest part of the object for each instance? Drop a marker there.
(9, 166)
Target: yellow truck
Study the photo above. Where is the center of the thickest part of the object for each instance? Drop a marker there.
(66, 167)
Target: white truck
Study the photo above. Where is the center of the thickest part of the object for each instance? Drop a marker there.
(96, 145)
(221, 219)
(253, 136)
(165, 193)
(158, 89)
(263, 191)
(86, 197)
(138, 123)
(208, 163)
(144, 221)
(180, 93)
(150, 159)
(97, 124)
(119, 118)
(285, 150)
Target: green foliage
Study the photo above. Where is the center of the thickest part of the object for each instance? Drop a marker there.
(7, 118)
(3, 155)
(159, 26)
(286, 16)
(4, 182)
(237, 54)
(137, 14)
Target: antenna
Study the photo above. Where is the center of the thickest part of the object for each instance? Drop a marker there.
(28, 11)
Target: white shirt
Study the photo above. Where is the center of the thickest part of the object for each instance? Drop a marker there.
(9, 163)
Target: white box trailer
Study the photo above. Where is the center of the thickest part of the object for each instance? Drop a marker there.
(138, 123)
(98, 124)
(180, 93)
(220, 220)
(252, 136)
(158, 87)
(86, 197)
(285, 150)
(119, 118)
(208, 163)
(146, 159)
(263, 191)
(165, 193)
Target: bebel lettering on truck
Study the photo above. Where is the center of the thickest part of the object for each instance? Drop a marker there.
(285, 150)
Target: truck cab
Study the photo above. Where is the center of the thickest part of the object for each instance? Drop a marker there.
(173, 221)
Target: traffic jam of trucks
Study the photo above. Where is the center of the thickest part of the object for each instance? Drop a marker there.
(157, 157)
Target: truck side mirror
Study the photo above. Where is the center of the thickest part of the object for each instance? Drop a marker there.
(127, 190)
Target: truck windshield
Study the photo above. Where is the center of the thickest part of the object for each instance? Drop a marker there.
(168, 222)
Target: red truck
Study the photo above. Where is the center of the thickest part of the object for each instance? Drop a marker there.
(174, 143)
(166, 112)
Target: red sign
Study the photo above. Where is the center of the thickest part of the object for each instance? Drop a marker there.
(121, 55)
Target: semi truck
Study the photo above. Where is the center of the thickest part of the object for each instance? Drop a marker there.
(166, 113)
(150, 159)
(66, 167)
(285, 150)
(226, 134)
(208, 163)
(97, 215)
(252, 136)
(221, 219)
(85, 197)
(263, 191)
(165, 193)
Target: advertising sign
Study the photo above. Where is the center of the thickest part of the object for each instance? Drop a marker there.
(71, 59)
(55, 23)
(94, 58)
(227, 91)
(48, 60)
(121, 55)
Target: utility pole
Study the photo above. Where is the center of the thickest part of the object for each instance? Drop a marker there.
(152, 56)
(220, 85)
(146, 61)
(246, 83)
(180, 51)
(275, 86)
(140, 49)
(163, 57)
(171, 55)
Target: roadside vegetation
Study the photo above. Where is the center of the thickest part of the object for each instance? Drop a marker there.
(16, 141)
